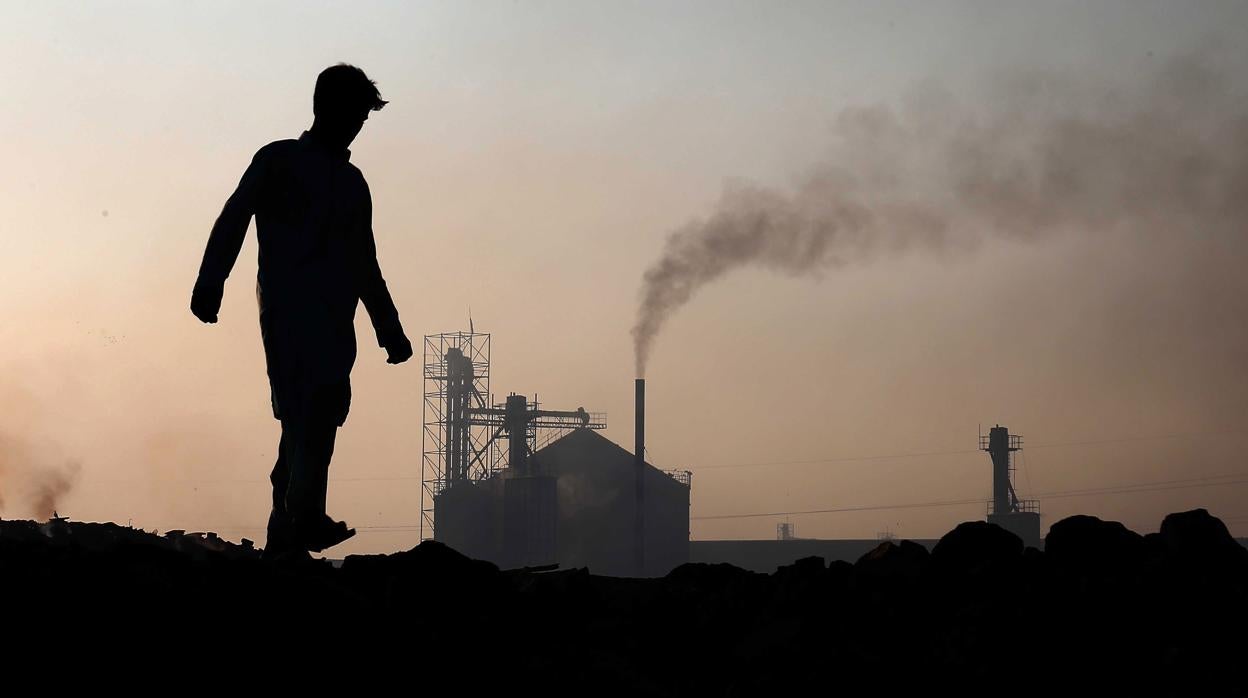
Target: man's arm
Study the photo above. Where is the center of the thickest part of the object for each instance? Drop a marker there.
(226, 240)
(376, 296)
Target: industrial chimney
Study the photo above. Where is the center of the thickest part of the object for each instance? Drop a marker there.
(639, 463)
(1018, 516)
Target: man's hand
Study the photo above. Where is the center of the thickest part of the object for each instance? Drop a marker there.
(398, 349)
(206, 301)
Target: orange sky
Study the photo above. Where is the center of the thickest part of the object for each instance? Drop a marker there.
(532, 161)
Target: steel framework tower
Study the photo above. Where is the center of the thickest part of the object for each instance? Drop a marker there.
(467, 437)
(456, 376)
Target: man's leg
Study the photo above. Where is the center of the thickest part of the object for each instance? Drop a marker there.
(309, 484)
(280, 534)
(310, 453)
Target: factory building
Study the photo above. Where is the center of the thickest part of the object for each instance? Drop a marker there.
(579, 512)
(597, 507)
(521, 485)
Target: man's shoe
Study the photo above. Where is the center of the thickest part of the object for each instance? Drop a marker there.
(324, 533)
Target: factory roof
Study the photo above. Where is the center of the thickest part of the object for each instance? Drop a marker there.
(581, 448)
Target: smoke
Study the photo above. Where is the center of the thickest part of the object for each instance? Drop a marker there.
(48, 487)
(99, 429)
(33, 482)
(1166, 155)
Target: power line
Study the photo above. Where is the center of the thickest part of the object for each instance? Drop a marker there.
(927, 454)
(1151, 486)
(1160, 486)
(844, 459)
(1155, 437)
(917, 505)
(1122, 489)
(700, 468)
(1206, 481)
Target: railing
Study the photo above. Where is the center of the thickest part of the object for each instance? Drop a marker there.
(1023, 506)
(684, 477)
(1015, 443)
(436, 486)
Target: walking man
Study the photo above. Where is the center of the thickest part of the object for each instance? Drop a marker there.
(317, 260)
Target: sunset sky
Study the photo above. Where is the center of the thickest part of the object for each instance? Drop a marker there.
(532, 161)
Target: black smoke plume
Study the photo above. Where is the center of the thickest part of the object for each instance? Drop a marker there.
(1053, 154)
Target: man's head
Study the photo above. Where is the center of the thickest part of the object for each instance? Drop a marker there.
(343, 98)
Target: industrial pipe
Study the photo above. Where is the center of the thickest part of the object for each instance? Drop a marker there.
(639, 463)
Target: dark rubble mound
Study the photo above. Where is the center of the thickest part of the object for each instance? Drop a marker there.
(977, 610)
(60, 537)
(975, 545)
(408, 580)
(705, 577)
(893, 560)
(1087, 543)
(1197, 537)
(430, 561)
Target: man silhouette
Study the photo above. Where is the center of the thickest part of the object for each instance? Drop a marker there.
(317, 260)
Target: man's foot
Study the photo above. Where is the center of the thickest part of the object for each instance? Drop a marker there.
(281, 537)
(322, 533)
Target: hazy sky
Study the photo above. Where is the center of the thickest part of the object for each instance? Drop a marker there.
(532, 161)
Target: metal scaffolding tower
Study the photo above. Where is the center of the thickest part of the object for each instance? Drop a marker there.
(524, 424)
(456, 376)
(469, 438)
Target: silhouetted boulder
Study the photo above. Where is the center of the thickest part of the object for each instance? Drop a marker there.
(711, 576)
(1088, 543)
(893, 560)
(976, 544)
(25, 533)
(429, 570)
(807, 567)
(1199, 537)
(1034, 563)
(801, 580)
(840, 568)
(429, 558)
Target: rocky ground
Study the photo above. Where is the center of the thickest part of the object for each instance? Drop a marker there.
(1164, 611)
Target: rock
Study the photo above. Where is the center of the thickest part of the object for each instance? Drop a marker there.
(430, 558)
(711, 576)
(1088, 543)
(893, 560)
(1199, 537)
(807, 567)
(976, 544)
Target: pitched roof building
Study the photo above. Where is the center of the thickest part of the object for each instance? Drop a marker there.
(577, 509)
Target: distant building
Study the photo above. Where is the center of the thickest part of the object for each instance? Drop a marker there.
(576, 509)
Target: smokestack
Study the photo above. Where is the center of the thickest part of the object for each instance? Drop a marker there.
(639, 462)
